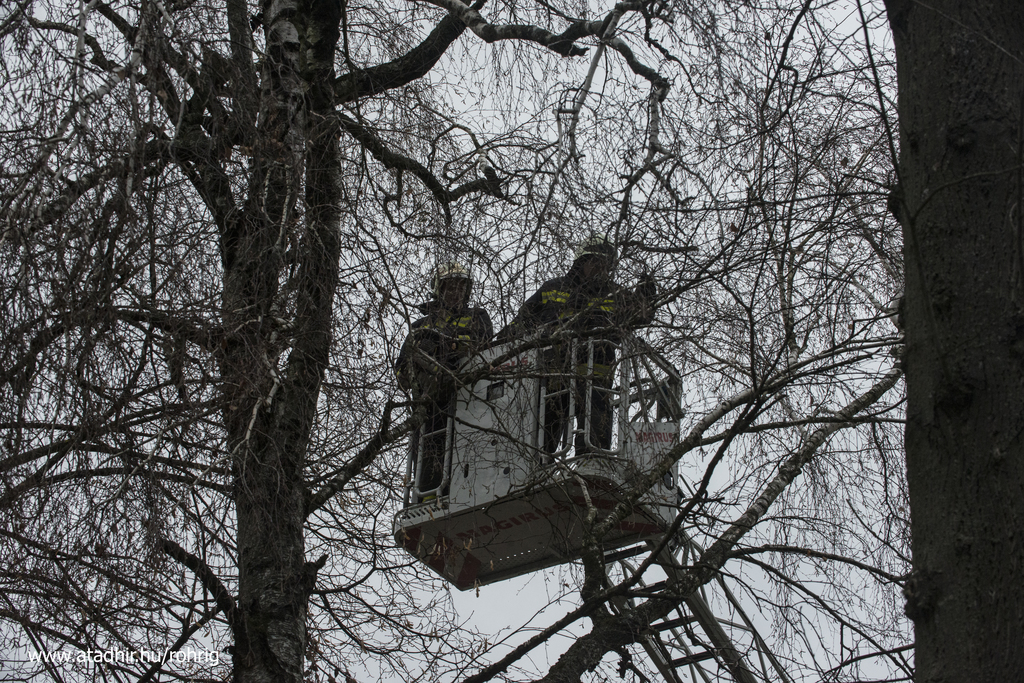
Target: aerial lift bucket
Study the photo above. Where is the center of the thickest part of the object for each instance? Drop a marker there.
(508, 503)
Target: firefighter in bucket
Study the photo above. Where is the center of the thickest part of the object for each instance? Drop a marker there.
(450, 331)
(584, 300)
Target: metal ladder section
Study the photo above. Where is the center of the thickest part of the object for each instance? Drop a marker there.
(691, 644)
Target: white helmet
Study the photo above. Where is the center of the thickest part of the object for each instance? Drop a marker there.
(597, 244)
(450, 271)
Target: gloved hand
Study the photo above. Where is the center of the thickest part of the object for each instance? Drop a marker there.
(647, 288)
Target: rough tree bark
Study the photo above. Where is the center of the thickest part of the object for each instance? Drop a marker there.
(961, 83)
(270, 414)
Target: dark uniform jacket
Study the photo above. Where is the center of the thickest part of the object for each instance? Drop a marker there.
(584, 305)
(446, 337)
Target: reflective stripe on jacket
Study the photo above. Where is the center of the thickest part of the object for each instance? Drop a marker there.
(580, 305)
(451, 337)
(584, 306)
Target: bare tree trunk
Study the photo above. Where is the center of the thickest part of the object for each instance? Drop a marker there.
(272, 408)
(961, 76)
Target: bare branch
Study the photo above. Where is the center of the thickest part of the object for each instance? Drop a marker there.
(562, 44)
(209, 579)
(405, 69)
